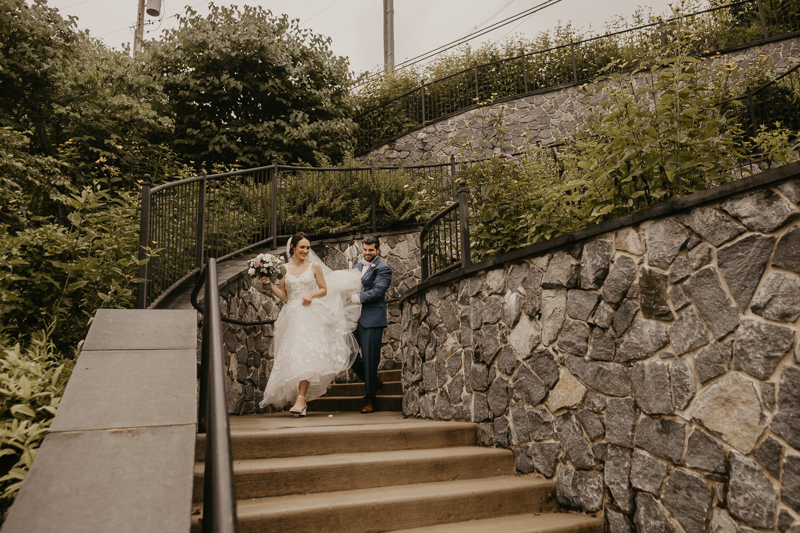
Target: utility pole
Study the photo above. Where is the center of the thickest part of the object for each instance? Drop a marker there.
(388, 35)
(139, 35)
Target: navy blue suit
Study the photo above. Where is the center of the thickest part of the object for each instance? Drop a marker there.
(369, 331)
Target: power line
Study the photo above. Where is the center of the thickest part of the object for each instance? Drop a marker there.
(490, 17)
(320, 12)
(497, 25)
(73, 5)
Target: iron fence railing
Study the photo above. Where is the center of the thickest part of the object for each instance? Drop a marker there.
(718, 28)
(445, 240)
(224, 215)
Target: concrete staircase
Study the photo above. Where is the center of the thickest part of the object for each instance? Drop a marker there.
(349, 396)
(354, 473)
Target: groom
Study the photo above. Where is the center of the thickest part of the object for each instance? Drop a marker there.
(376, 276)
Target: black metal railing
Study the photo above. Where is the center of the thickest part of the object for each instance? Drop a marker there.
(777, 101)
(219, 491)
(719, 28)
(224, 215)
(445, 238)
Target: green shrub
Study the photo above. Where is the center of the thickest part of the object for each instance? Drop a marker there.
(32, 381)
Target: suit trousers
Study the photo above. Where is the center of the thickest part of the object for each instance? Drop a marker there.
(366, 364)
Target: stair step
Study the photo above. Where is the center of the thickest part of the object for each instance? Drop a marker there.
(390, 375)
(262, 478)
(521, 523)
(391, 388)
(354, 403)
(404, 506)
(273, 436)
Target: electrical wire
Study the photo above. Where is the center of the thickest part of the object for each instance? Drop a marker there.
(320, 12)
(489, 18)
(443, 48)
(73, 5)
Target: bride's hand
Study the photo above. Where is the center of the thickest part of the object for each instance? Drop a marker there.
(307, 298)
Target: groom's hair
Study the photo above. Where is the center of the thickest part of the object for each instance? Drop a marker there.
(372, 241)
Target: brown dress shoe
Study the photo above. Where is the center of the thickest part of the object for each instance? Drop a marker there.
(368, 408)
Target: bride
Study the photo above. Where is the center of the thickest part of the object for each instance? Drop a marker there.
(314, 332)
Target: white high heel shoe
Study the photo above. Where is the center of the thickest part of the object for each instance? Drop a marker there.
(297, 413)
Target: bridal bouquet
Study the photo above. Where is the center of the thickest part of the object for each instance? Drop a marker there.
(266, 265)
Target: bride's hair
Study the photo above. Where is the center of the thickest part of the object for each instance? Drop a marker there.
(296, 238)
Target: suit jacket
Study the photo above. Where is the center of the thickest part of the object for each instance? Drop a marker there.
(373, 302)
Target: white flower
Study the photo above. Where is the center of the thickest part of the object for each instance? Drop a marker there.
(251, 271)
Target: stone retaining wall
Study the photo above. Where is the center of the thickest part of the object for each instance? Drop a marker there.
(250, 348)
(542, 118)
(654, 370)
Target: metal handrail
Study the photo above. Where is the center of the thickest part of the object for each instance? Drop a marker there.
(462, 205)
(219, 491)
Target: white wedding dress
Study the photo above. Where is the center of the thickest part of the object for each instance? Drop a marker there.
(313, 342)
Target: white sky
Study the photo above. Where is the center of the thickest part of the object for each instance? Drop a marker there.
(356, 26)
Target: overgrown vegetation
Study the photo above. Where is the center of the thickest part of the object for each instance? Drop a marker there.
(658, 134)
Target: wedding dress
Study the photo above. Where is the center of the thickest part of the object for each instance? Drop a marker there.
(313, 342)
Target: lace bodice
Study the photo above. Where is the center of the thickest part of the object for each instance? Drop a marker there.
(299, 286)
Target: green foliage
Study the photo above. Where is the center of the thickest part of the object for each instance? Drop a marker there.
(57, 275)
(246, 86)
(658, 134)
(32, 381)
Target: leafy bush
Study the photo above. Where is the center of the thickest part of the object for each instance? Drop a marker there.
(32, 381)
(658, 134)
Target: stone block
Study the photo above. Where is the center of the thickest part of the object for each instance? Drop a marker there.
(679, 270)
(708, 363)
(742, 265)
(621, 417)
(601, 346)
(721, 522)
(608, 378)
(545, 456)
(522, 459)
(665, 239)
(627, 240)
(790, 484)
(779, 298)
(517, 275)
(499, 396)
(545, 366)
(526, 336)
(492, 310)
(763, 211)
(768, 454)
(662, 437)
(616, 476)
(619, 279)
(760, 346)
(574, 337)
(507, 360)
(678, 297)
(603, 315)
(624, 316)
(688, 497)
(647, 472)
(651, 387)
(496, 281)
(529, 387)
(594, 402)
(650, 516)
(579, 490)
(751, 496)
(501, 432)
(568, 393)
(704, 452)
(616, 521)
(562, 272)
(712, 225)
(554, 309)
(787, 253)
(645, 338)
(786, 422)
(594, 263)
(653, 295)
(706, 292)
(512, 307)
(581, 303)
(731, 409)
(575, 446)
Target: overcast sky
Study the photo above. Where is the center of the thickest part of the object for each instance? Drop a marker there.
(356, 26)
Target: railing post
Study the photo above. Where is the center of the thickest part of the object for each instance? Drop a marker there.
(574, 64)
(763, 21)
(752, 109)
(373, 207)
(525, 72)
(200, 243)
(273, 208)
(202, 404)
(422, 87)
(663, 33)
(453, 176)
(144, 241)
(463, 224)
(423, 255)
(477, 92)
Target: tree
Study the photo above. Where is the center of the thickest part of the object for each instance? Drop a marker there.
(246, 86)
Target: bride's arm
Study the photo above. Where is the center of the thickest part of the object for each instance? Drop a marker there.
(280, 290)
(323, 287)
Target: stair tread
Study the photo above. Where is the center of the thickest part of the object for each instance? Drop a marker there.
(429, 493)
(379, 395)
(347, 459)
(520, 523)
